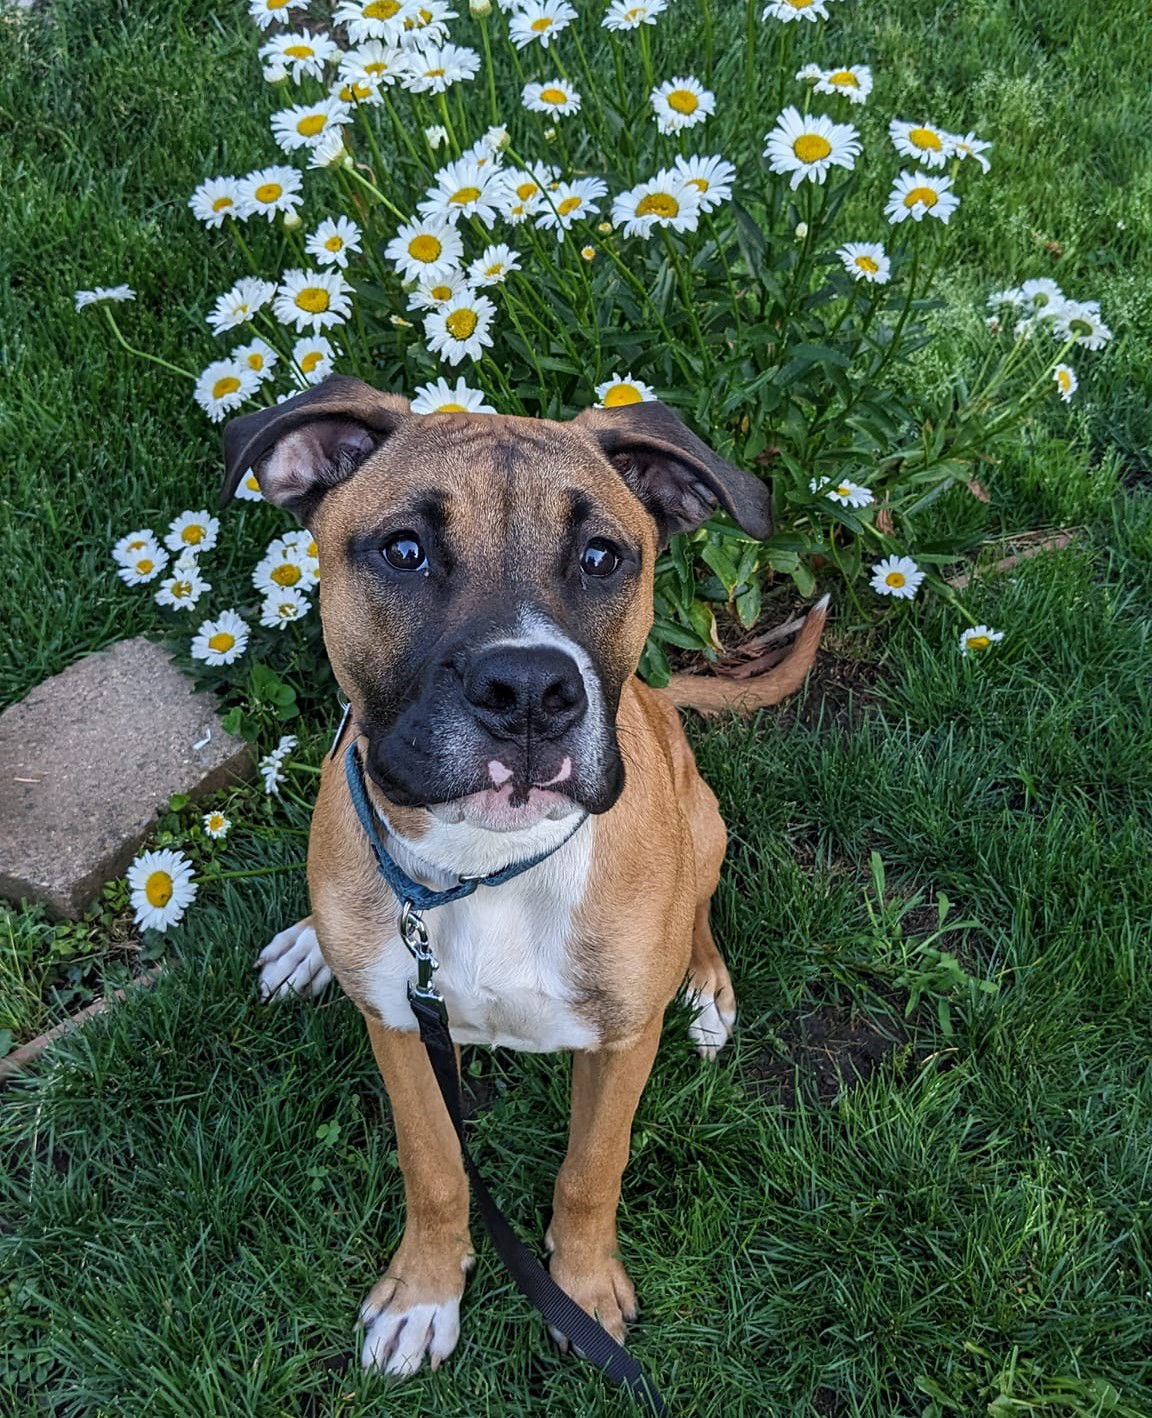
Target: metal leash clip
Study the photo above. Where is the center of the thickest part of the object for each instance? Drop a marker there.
(414, 934)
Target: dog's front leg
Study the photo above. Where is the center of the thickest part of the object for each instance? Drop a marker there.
(414, 1310)
(606, 1087)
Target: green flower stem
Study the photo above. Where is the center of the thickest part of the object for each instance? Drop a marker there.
(379, 167)
(276, 336)
(751, 30)
(709, 41)
(733, 291)
(672, 343)
(358, 176)
(646, 59)
(143, 354)
(252, 871)
(687, 297)
(1031, 396)
(246, 250)
(299, 767)
(510, 304)
(486, 42)
(488, 363)
(446, 119)
(418, 156)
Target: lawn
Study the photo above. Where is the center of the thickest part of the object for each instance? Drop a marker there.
(198, 1191)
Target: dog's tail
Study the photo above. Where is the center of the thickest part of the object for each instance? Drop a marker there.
(709, 694)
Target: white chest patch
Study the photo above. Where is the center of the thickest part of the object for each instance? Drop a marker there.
(505, 951)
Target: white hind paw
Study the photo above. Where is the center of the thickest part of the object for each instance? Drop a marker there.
(712, 1022)
(291, 964)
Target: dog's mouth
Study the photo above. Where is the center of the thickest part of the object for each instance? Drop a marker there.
(501, 810)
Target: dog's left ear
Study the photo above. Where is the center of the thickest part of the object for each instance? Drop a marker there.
(677, 476)
(306, 445)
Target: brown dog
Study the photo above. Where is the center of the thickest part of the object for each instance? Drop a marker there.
(486, 593)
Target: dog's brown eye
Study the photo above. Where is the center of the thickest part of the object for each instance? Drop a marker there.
(405, 553)
(599, 558)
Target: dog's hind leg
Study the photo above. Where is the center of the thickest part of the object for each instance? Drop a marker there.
(291, 964)
(710, 996)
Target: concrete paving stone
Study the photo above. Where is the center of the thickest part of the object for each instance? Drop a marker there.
(90, 758)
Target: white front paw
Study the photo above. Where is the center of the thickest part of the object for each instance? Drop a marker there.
(396, 1340)
(291, 964)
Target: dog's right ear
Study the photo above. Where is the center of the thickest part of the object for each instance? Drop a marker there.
(306, 445)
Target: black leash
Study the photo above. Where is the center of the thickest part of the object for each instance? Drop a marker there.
(558, 1308)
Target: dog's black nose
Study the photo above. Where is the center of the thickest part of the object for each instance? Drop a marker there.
(516, 689)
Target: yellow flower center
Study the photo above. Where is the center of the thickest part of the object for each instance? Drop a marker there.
(569, 205)
(376, 67)
(256, 361)
(275, 4)
(313, 124)
(866, 263)
(540, 25)
(658, 204)
(441, 292)
(978, 642)
(844, 79)
(925, 195)
(314, 299)
(193, 534)
(135, 546)
(144, 566)
(811, 147)
(215, 822)
(222, 203)
(381, 9)
(637, 12)
(307, 364)
(621, 394)
(925, 138)
(527, 190)
(299, 51)
(683, 101)
(268, 192)
(221, 642)
(801, 4)
(464, 195)
(286, 574)
(425, 248)
(844, 491)
(451, 409)
(895, 579)
(701, 184)
(181, 589)
(313, 551)
(461, 324)
(1064, 379)
(158, 888)
(334, 243)
(252, 482)
(553, 96)
(223, 387)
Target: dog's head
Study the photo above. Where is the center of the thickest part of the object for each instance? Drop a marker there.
(486, 582)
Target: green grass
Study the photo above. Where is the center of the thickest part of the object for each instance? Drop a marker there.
(963, 1232)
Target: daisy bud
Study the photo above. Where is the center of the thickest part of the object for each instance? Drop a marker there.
(497, 139)
(549, 135)
(604, 228)
(434, 137)
(400, 322)
(588, 253)
(276, 74)
(479, 8)
(292, 220)
(801, 231)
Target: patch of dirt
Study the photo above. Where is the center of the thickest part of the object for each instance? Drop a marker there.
(824, 1052)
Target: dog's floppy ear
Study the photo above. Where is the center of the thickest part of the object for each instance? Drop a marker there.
(306, 445)
(677, 477)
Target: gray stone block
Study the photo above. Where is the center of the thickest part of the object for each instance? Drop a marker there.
(87, 761)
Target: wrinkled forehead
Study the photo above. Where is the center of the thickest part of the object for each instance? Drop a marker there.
(489, 482)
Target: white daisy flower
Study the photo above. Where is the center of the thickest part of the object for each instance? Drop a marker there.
(328, 152)
(333, 240)
(927, 145)
(272, 12)
(712, 177)
(1012, 296)
(272, 765)
(540, 20)
(270, 190)
(220, 641)
(224, 386)
(162, 887)
(313, 357)
(237, 306)
(425, 250)
(248, 489)
(522, 193)
(808, 146)
(183, 588)
(282, 607)
(552, 96)
(304, 125)
(853, 81)
(463, 189)
(681, 103)
(461, 329)
(431, 295)
(622, 389)
(375, 64)
(143, 565)
(664, 200)
(216, 825)
(435, 69)
(971, 147)
(259, 356)
(99, 294)
(131, 544)
(215, 199)
(846, 493)
(570, 202)
(1041, 296)
(897, 576)
(1066, 381)
(978, 639)
(444, 398)
(787, 10)
(1080, 320)
(313, 300)
(193, 531)
(372, 19)
(283, 568)
(919, 193)
(300, 53)
(493, 266)
(866, 261)
(630, 15)
(436, 136)
(425, 22)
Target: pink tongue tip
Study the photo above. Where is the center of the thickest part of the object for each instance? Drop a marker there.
(499, 772)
